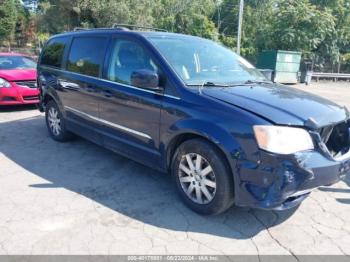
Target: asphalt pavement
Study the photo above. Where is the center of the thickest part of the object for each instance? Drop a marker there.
(78, 198)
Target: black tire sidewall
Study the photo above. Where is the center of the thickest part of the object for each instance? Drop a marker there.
(223, 198)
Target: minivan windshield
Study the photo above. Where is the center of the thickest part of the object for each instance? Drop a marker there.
(199, 61)
(16, 62)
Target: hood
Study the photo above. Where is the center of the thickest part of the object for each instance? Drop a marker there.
(281, 104)
(18, 74)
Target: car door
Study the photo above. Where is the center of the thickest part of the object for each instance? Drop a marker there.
(130, 115)
(79, 85)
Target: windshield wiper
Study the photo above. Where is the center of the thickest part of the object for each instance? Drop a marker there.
(209, 84)
(248, 82)
(213, 84)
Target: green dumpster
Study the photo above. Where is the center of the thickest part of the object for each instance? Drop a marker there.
(285, 65)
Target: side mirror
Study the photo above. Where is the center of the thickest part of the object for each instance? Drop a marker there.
(145, 78)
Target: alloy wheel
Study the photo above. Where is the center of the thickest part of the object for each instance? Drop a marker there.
(197, 178)
(54, 121)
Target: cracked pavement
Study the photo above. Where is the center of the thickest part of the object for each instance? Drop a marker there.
(78, 198)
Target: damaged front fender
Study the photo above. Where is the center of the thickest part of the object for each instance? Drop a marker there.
(282, 182)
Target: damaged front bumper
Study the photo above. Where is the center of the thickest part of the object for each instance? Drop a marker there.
(281, 182)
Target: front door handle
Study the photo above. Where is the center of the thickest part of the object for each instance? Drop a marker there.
(68, 85)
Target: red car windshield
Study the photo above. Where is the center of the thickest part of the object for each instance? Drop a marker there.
(16, 62)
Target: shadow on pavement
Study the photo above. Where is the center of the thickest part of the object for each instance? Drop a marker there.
(340, 190)
(6, 109)
(119, 183)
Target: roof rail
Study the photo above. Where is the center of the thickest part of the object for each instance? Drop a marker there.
(131, 27)
(88, 29)
(80, 29)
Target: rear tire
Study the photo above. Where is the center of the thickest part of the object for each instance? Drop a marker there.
(203, 178)
(56, 124)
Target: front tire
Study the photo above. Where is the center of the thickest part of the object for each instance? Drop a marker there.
(56, 123)
(203, 178)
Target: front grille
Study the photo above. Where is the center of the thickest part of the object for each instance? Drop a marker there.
(8, 98)
(28, 84)
(28, 98)
(336, 138)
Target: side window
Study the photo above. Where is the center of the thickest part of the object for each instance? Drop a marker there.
(86, 55)
(53, 52)
(127, 57)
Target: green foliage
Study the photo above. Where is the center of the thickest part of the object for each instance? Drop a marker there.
(42, 37)
(318, 28)
(192, 17)
(257, 25)
(299, 25)
(345, 59)
(337, 44)
(58, 15)
(24, 25)
(105, 13)
(8, 17)
(188, 17)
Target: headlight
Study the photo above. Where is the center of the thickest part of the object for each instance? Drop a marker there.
(283, 140)
(4, 83)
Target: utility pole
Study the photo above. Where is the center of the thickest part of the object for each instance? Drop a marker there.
(219, 17)
(240, 21)
(218, 7)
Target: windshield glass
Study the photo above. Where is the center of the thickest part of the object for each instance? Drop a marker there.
(16, 62)
(198, 61)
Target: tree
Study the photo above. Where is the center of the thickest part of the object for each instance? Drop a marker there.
(336, 47)
(8, 17)
(301, 26)
(297, 25)
(24, 25)
(188, 17)
(57, 16)
(257, 25)
(193, 17)
(315, 27)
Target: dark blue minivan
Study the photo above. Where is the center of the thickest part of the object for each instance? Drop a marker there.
(191, 107)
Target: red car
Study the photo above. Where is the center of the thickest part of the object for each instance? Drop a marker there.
(18, 79)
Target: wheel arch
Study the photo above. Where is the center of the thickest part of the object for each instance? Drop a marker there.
(49, 96)
(220, 144)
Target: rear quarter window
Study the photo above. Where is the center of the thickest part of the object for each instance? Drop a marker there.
(54, 51)
(86, 55)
